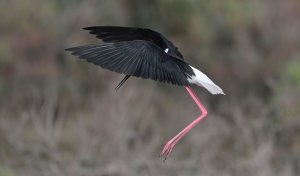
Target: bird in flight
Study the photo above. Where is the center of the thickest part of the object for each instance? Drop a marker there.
(147, 54)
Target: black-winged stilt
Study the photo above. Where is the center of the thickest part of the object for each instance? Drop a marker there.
(146, 53)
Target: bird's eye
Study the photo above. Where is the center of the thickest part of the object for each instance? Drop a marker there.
(166, 50)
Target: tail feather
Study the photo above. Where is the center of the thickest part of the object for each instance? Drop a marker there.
(201, 79)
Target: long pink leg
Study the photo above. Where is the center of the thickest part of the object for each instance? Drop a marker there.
(171, 143)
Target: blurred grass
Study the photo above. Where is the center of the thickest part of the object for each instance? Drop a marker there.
(61, 116)
(4, 171)
(293, 72)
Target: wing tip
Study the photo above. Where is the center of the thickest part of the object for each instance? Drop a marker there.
(88, 28)
(69, 49)
(91, 29)
(73, 49)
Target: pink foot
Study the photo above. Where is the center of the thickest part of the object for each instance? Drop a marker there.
(167, 149)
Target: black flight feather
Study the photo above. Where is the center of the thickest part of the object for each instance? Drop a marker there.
(136, 52)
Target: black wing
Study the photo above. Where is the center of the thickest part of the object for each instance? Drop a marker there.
(136, 58)
(118, 34)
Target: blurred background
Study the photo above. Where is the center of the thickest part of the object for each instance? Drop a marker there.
(61, 116)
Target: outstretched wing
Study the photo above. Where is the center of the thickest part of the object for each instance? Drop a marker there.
(118, 34)
(136, 58)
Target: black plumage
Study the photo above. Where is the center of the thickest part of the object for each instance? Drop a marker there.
(136, 52)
